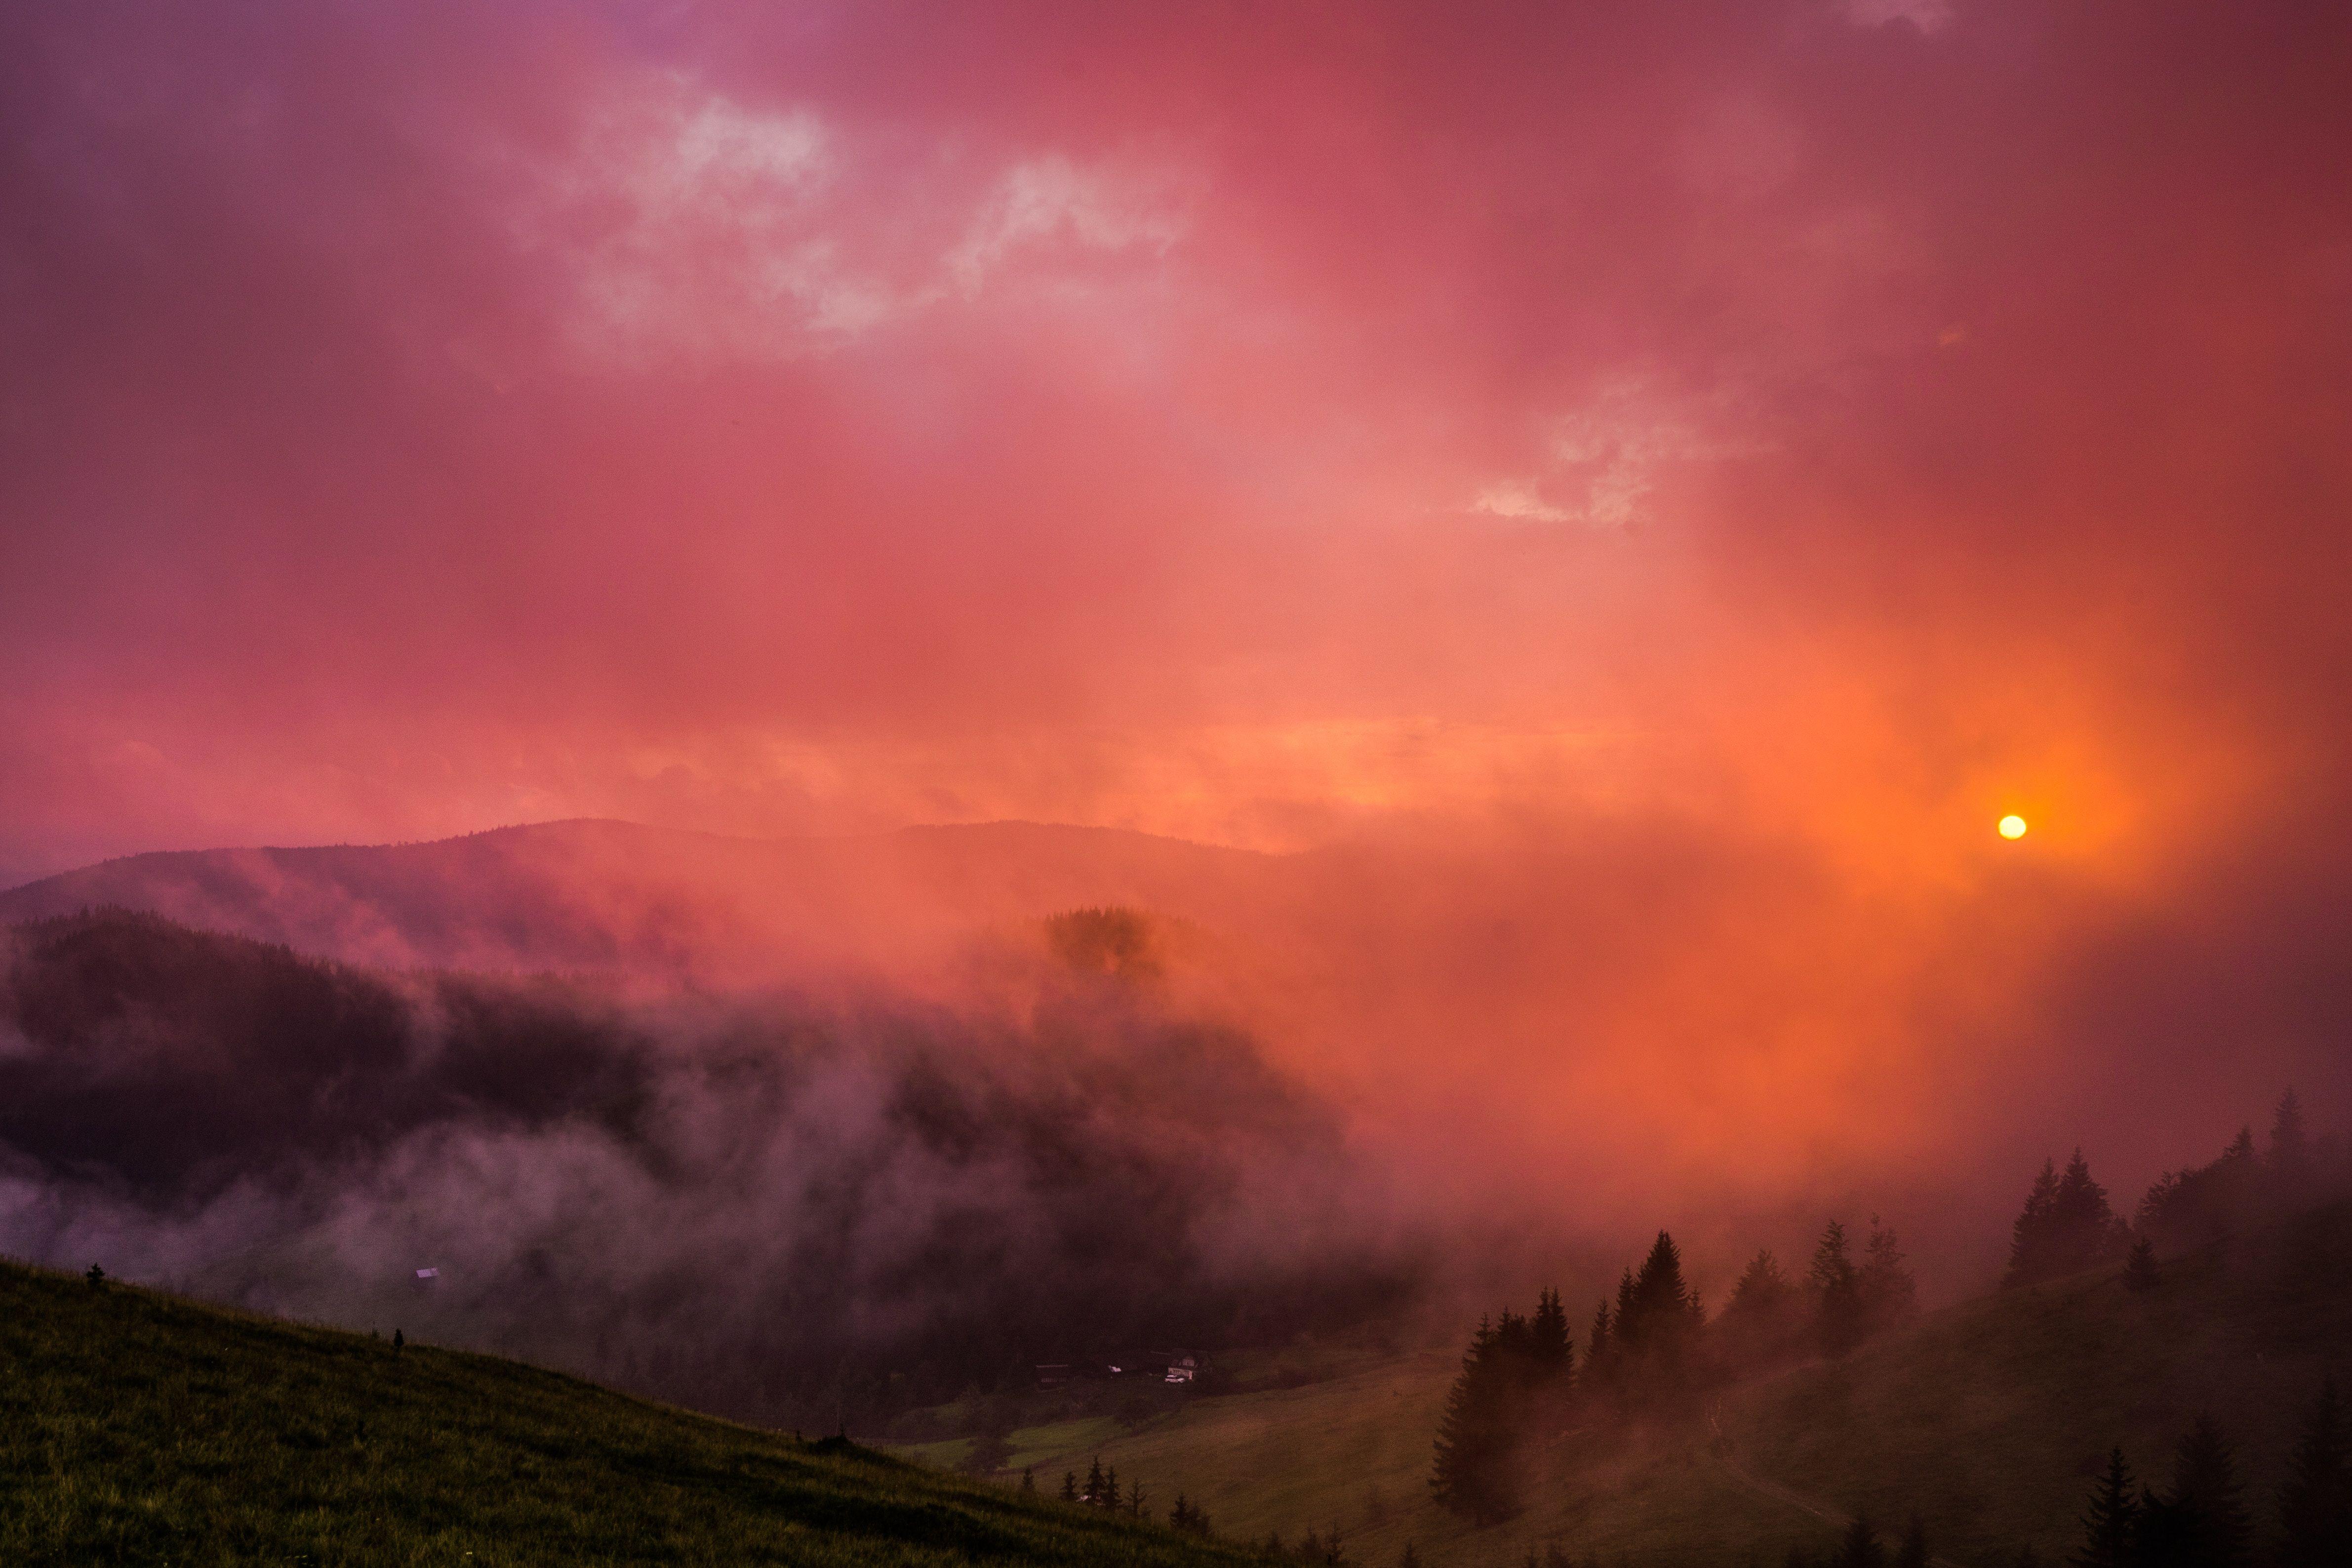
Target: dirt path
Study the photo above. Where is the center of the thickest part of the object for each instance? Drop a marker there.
(1718, 1448)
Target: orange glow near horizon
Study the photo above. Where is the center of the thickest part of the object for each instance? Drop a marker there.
(1615, 503)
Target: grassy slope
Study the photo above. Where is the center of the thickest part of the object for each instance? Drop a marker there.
(135, 1427)
(1987, 1418)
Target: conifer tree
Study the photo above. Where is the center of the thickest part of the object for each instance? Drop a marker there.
(2206, 1506)
(1859, 1547)
(1837, 1292)
(1069, 1485)
(1600, 1352)
(1029, 1479)
(2290, 1153)
(1093, 1493)
(1110, 1495)
(1474, 1475)
(1550, 1348)
(2140, 1272)
(2084, 1229)
(2111, 1528)
(1889, 1295)
(2029, 1236)
(2316, 1504)
(1913, 1551)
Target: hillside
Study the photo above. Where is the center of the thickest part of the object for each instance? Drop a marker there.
(137, 1427)
(620, 895)
(1989, 1419)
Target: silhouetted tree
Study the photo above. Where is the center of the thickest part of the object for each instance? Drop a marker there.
(1029, 1479)
(1913, 1551)
(2140, 1272)
(2290, 1152)
(1859, 1547)
(1092, 1493)
(1889, 1295)
(2200, 1521)
(2111, 1528)
(1759, 1322)
(1069, 1485)
(1549, 1347)
(1600, 1352)
(2316, 1504)
(1836, 1291)
(1478, 1438)
(2028, 1237)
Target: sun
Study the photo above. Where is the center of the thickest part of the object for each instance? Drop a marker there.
(2012, 827)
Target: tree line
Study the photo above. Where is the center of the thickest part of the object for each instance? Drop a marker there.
(2201, 1519)
(1651, 1351)
(2068, 1224)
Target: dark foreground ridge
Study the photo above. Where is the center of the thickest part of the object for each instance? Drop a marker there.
(139, 1427)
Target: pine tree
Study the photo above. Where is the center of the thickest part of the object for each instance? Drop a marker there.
(1552, 1349)
(1109, 1495)
(2029, 1236)
(2316, 1504)
(1889, 1294)
(2084, 1229)
(1476, 1448)
(2290, 1155)
(2207, 1502)
(2140, 1272)
(1069, 1485)
(1093, 1493)
(1029, 1479)
(1912, 1552)
(2111, 1528)
(1859, 1547)
(1837, 1292)
(1600, 1352)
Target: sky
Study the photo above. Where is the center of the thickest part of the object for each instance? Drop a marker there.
(1727, 454)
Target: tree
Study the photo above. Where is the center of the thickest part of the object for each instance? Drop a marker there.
(1889, 1295)
(2028, 1237)
(1069, 1485)
(1837, 1292)
(1656, 1323)
(2140, 1272)
(1912, 1552)
(1859, 1547)
(1029, 1479)
(2316, 1504)
(2203, 1518)
(1092, 1493)
(1600, 1352)
(2085, 1228)
(2290, 1155)
(1550, 1346)
(1759, 1322)
(1475, 1474)
(1109, 1497)
(2111, 1528)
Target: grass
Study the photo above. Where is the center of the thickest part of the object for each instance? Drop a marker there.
(138, 1428)
(1989, 1419)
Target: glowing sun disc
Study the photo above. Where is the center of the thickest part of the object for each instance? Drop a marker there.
(2012, 827)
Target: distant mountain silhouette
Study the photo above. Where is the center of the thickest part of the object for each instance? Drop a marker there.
(595, 894)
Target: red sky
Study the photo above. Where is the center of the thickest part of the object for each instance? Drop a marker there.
(1745, 449)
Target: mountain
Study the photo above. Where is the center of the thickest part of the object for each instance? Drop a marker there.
(766, 1205)
(138, 1428)
(603, 895)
